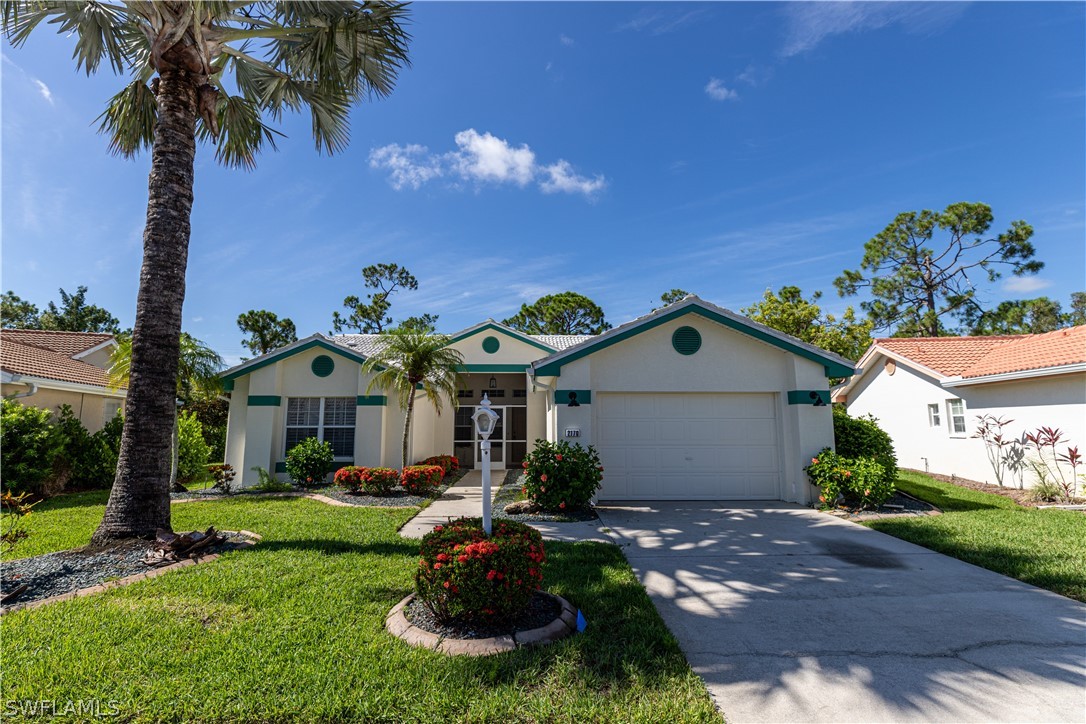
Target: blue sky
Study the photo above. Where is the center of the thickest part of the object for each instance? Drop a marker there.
(614, 149)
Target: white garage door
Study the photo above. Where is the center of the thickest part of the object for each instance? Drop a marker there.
(657, 446)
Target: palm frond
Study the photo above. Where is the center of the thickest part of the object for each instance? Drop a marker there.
(129, 119)
(242, 132)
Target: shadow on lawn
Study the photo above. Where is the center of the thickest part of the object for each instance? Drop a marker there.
(948, 502)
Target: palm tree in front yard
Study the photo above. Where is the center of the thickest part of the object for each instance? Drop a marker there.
(215, 71)
(411, 364)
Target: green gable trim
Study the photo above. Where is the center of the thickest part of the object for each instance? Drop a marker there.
(228, 385)
(833, 368)
(273, 357)
(561, 397)
(495, 328)
(371, 401)
(496, 368)
(803, 397)
(265, 400)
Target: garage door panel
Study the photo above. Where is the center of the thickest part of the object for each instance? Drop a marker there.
(688, 446)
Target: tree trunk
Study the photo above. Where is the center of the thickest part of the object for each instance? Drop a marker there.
(139, 502)
(407, 425)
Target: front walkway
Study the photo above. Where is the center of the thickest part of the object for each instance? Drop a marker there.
(465, 498)
(791, 615)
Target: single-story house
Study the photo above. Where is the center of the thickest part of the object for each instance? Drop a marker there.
(928, 393)
(49, 369)
(691, 401)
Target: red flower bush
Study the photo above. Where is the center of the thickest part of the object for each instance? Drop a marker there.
(561, 476)
(378, 481)
(448, 463)
(420, 479)
(465, 573)
(349, 478)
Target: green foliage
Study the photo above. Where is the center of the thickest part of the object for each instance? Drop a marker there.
(198, 368)
(371, 316)
(787, 311)
(560, 476)
(267, 483)
(861, 437)
(1046, 491)
(1020, 316)
(917, 280)
(421, 479)
(16, 313)
(464, 573)
(13, 509)
(672, 296)
(30, 445)
(88, 459)
(1077, 315)
(854, 483)
(266, 331)
(421, 323)
(565, 313)
(192, 451)
(309, 462)
(75, 315)
(212, 412)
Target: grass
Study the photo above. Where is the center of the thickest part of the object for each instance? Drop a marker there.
(293, 629)
(1046, 548)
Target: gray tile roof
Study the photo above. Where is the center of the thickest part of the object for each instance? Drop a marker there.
(562, 341)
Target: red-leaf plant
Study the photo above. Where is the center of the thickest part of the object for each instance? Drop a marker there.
(1004, 454)
(1048, 464)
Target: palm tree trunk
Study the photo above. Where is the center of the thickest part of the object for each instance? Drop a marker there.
(407, 426)
(139, 502)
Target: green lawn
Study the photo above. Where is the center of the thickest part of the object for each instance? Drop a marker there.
(1046, 548)
(292, 629)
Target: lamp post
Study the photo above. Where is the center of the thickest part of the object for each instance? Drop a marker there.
(485, 420)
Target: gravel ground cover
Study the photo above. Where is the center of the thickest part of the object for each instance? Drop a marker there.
(899, 504)
(541, 610)
(510, 493)
(52, 574)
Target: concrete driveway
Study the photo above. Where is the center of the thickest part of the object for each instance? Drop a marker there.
(791, 615)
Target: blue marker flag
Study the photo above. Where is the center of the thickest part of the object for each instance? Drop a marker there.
(581, 622)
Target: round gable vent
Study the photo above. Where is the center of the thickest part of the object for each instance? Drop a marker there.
(686, 340)
(491, 345)
(322, 366)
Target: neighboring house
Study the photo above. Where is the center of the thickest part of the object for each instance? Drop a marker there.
(928, 392)
(50, 369)
(690, 402)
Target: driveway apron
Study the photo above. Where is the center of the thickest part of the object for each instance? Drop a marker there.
(791, 615)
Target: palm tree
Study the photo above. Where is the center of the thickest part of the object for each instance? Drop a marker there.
(411, 362)
(207, 69)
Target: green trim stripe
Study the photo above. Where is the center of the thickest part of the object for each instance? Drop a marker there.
(803, 397)
(490, 327)
(561, 397)
(265, 400)
(833, 367)
(228, 385)
(273, 357)
(497, 368)
(371, 401)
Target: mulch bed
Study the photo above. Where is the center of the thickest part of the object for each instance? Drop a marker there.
(1022, 497)
(541, 610)
(52, 574)
(899, 504)
(510, 493)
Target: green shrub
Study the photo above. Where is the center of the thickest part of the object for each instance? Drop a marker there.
(1046, 491)
(465, 573)
(29, 447)
(267, 483)
(562, 476)
(110, 437)
(856, 483)
(420, 479)
(449, 463)
(309, 462)
(861, 437)
(86, 460)
(192, 450)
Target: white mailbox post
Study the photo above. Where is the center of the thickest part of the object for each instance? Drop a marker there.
(485, 420)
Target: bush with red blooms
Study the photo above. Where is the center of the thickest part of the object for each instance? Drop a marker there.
(449, 463)
(421, 479)
(559, 476)
(378, 481)
(349, 478)
(464, 573)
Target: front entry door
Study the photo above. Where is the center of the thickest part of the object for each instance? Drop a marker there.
(466, 442)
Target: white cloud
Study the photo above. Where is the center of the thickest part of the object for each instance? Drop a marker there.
(718, 92)
(1025, 285)
(755, 75)
(44, 90)
(809, 23)
(658, 22)
(565, 40)
(483, 159)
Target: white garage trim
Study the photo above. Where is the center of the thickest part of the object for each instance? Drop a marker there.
(689, 446)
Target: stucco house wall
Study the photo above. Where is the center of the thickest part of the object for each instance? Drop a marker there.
(89, 407)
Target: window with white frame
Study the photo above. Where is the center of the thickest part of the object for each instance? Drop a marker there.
(934, 416)
(955, 411)
(330, 419)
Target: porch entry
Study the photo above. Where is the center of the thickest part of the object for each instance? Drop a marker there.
(509, 441)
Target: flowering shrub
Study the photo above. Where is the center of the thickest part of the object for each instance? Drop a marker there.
(349, 478)
(448, 463)
(418, 479)
(309, 462)
(561, 476)
(861, 437)
(859, 483)
(464, 572)
(378, 481)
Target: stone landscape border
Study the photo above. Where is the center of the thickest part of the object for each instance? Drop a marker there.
(398, 625)
(251, 540)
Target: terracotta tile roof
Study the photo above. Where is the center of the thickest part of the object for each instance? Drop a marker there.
(1052, 349)
(47, 355)
(67, 343)
(949, 356)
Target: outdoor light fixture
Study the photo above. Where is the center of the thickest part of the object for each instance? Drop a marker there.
(493, 382)
(573, 400)
(485, 421)
(817, 399)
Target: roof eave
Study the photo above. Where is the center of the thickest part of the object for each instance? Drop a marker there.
(960, 381)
